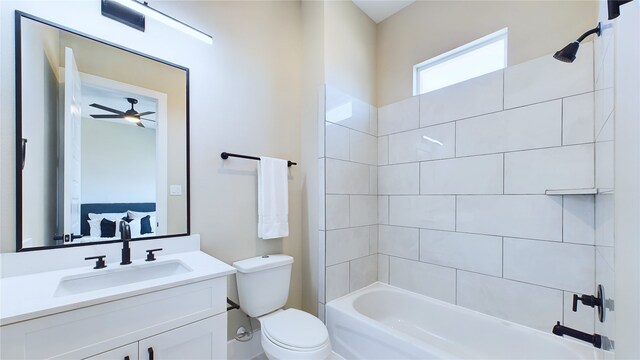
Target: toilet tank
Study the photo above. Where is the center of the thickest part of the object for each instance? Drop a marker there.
(263, 283)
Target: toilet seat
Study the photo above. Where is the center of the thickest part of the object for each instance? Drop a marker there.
(295, 330)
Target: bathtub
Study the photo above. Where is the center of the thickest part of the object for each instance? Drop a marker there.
(385, 322)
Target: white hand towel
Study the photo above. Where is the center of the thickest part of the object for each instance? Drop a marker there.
(273, 198)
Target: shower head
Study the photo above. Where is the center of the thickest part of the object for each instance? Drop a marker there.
(568, 53)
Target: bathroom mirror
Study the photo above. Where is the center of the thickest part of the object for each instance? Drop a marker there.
(102, 136)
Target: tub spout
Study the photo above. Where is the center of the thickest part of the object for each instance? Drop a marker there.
(594, 339)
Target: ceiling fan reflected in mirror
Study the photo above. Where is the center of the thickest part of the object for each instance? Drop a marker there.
(131, 114)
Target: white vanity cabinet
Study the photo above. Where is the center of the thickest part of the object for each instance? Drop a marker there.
(182, 322)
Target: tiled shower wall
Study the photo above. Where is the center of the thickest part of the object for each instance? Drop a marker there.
(604, 124)
(461, 182)
(349, 232)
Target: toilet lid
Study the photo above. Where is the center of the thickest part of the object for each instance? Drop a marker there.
(295, 329)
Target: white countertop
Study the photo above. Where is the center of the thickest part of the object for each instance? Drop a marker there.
(29, 296)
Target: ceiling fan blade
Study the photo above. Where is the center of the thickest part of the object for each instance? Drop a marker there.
(147, 120)
(140, 124)
(107, 116)
(146, 113)
(105, 108)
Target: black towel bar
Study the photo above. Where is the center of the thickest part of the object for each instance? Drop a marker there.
(226, 155)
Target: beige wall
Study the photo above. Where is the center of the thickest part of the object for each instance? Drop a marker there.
(350, 50)
(428, 28)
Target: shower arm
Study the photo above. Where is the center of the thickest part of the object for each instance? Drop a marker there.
(595, 30)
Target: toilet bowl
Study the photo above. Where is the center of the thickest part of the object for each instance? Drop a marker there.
(294, 334)
(263, 289)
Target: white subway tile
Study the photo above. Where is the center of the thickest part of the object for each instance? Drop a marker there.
(383, 209)
(321, 194)
(479, 95)
(580, 320)
(383, 268)
(431, 280)
(373, 180)
(528, 216)
(604, 165)
(603, 108)
(363, 148)
(399, 241)
(337, 211)
(337, 141)
(401, 116)
(605, 225)
(363, 272)
(510, 300)
(530, 127)
(578, 219)
(477, 253)
(400, 179)
(347, 244)
(346, 110)
(578, 119)
(534, 171)
(363, 210)
(337, 281)
(322, 236)
(546, 78)
(557, 265)
(373, 239)
(427, 211)
(383, 150)
(605, 275)
(471, 175)
(343, 177)
(436, 142)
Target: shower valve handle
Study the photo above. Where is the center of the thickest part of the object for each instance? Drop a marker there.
(588, 300)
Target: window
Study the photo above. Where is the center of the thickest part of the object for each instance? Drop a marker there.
(474, 59)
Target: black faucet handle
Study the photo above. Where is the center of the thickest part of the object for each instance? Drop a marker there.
(151, 255)
(588, 300)
(100, 263)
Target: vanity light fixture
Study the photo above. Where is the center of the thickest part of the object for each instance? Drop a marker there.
(146, 10)
(568, 53)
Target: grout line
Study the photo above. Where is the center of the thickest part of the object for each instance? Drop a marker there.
(490, 113)
(562, 217)
(562, 122)
(480, 154)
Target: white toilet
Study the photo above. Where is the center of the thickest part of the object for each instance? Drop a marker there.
(263, 289)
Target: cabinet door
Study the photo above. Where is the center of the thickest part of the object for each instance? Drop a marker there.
(127, 352)
(204, 339)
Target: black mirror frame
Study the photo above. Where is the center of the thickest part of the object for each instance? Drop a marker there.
(19, 140)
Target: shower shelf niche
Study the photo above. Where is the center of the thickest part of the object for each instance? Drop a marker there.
(589, 191)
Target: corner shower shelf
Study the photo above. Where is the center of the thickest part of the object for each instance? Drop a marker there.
(590, 191)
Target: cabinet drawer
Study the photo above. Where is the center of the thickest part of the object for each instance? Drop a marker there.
(95, 329)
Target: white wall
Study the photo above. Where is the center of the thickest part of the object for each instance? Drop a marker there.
(462, 207)
(245, 98)
(429, 28)
(118, 163)
(627, 180)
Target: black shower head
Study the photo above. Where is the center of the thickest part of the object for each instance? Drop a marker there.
(568, 53)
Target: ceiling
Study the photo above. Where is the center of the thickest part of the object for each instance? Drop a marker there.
(378, 10)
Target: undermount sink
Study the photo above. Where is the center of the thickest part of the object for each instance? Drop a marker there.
(97, 280)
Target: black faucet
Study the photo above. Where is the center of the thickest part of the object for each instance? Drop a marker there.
(125, 236)
(594, 339)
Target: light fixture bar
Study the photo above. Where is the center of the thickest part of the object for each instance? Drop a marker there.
(148, 11)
